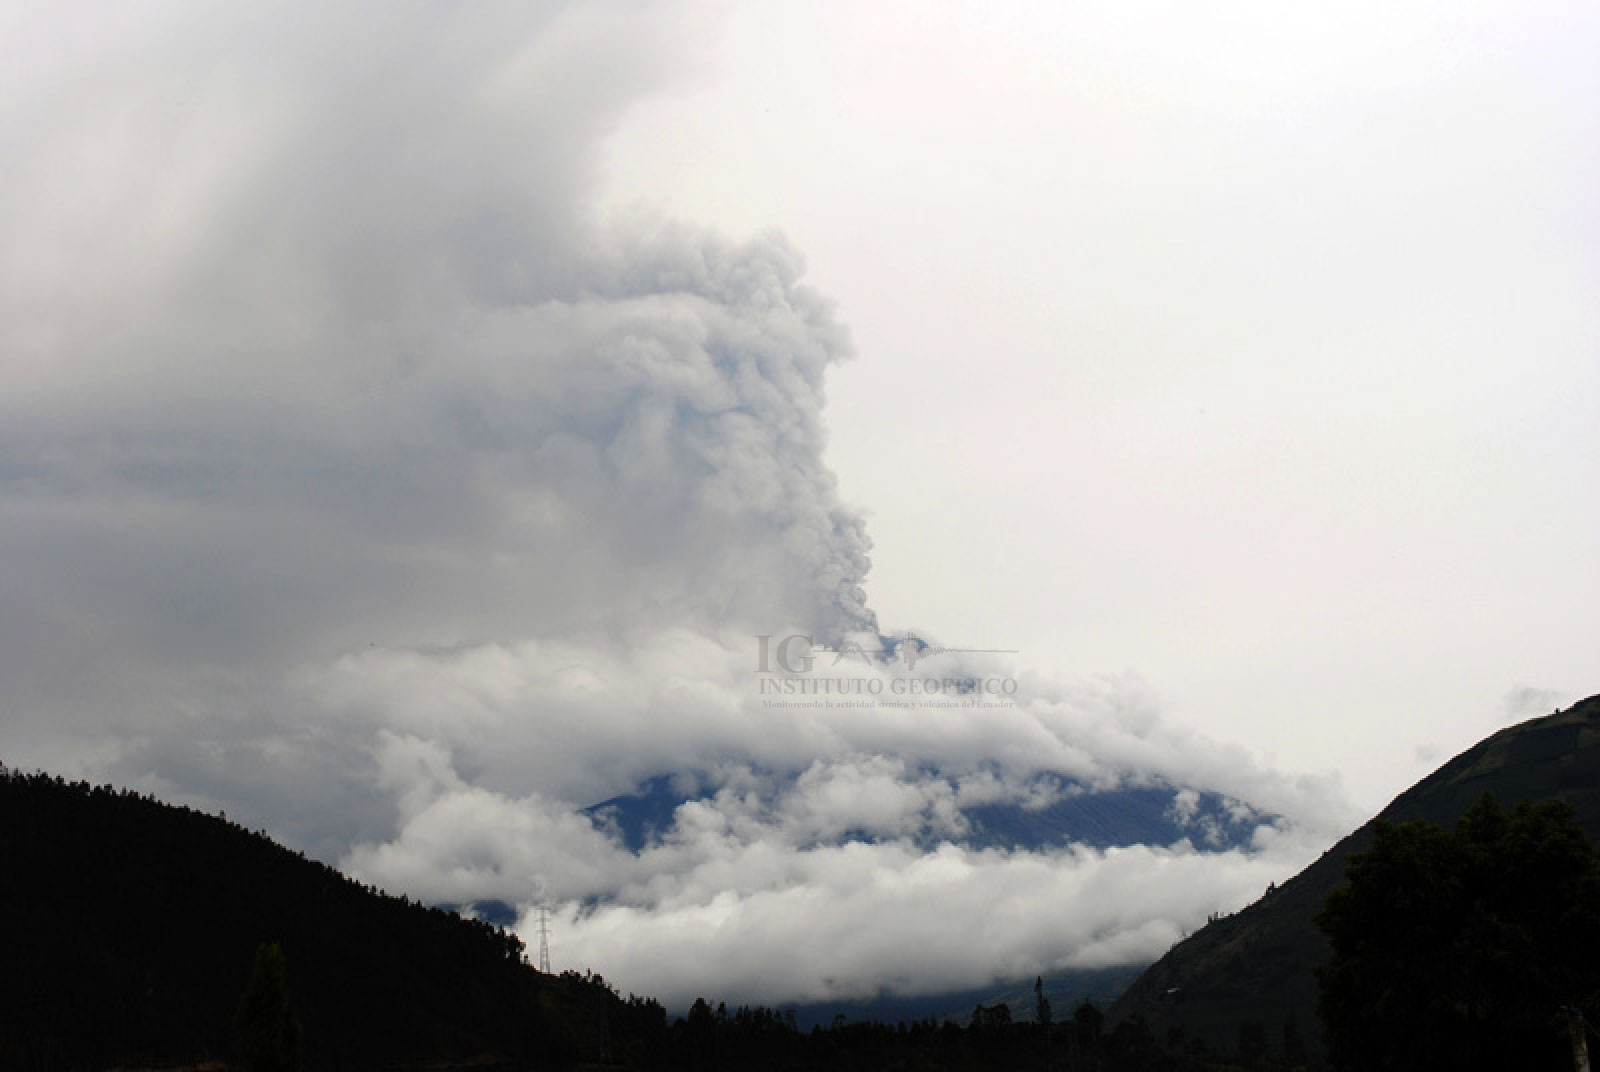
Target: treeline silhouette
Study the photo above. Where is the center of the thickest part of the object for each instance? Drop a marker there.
(128, 929)
(762, 1038)
(757, 1037)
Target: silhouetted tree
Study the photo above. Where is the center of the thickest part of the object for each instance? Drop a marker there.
(1294, 1046)
(991, 1017)
(1088, 1022)
(266, 1031)
(1458, 948)
(1252, 1044)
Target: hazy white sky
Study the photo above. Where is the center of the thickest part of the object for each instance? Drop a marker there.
(1253, 347)
(411, 413)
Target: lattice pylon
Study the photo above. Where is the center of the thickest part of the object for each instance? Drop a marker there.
(544, 939)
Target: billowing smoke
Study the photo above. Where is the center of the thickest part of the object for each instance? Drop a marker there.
(360, 480)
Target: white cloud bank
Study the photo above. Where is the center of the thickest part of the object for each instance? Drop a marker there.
(357, 481)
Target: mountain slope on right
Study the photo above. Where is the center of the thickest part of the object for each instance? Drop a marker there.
(1257, 968)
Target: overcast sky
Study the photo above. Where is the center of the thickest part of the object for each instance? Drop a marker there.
(1251, 347)
(412, 413)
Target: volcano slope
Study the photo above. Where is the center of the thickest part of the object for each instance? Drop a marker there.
(1258, 965)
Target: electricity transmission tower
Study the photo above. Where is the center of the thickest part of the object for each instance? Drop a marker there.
(544, 939)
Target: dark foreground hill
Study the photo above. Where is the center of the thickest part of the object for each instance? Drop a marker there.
(128, 929)
(1256, 968)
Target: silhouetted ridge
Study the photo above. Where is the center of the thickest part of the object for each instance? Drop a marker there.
(1258, 965)
(128, 929)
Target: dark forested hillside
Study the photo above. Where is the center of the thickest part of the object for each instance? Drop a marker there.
(128, 929)
(1254, 970)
